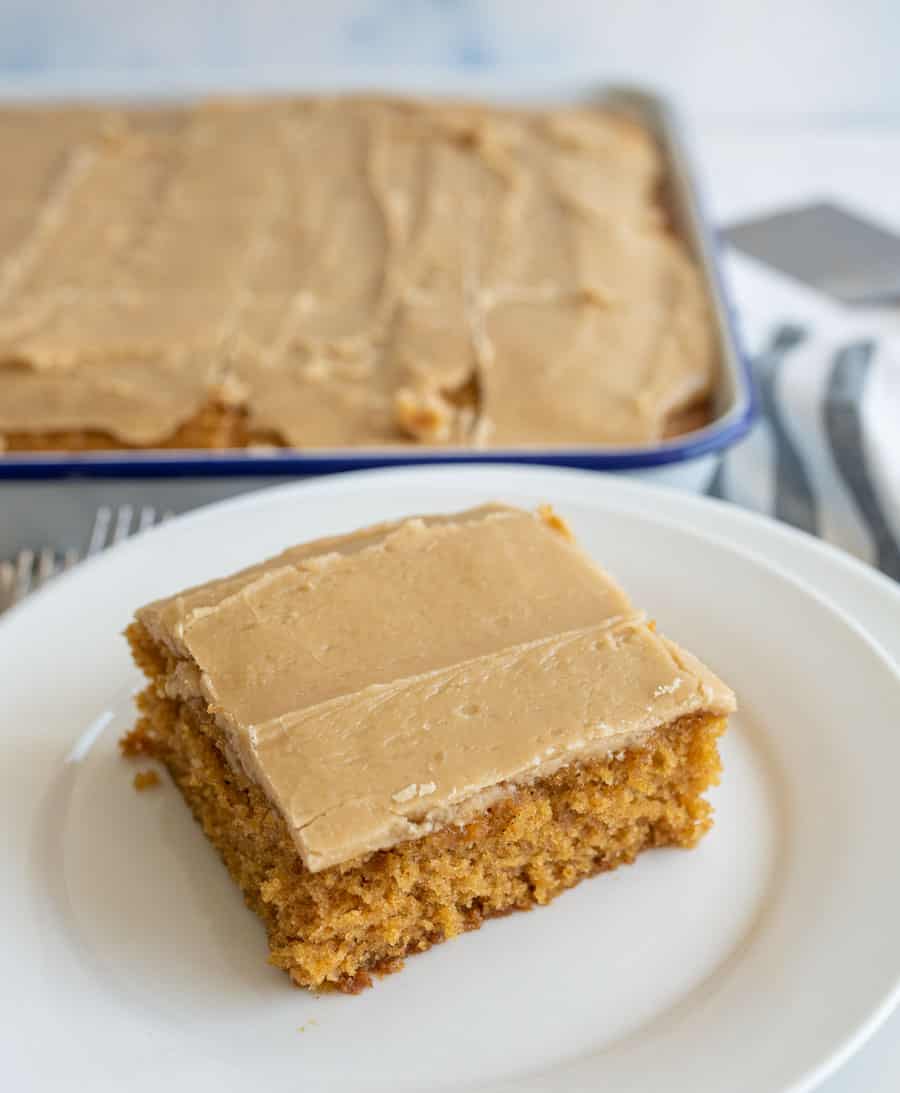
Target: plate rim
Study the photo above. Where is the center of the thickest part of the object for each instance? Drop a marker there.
(615, 482)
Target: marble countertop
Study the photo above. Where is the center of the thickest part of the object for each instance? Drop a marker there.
(744, 58)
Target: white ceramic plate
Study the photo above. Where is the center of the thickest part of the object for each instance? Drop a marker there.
(757, 962)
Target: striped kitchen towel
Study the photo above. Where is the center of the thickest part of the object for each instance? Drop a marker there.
(825, 455)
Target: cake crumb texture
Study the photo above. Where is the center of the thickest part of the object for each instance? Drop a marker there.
(336, 928)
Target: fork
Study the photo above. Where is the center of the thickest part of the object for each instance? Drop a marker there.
(31, 569)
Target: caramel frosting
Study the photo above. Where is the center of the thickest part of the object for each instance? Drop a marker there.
(347, 272)
(382, 684)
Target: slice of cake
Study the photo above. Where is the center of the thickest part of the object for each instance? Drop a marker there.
(393, 735)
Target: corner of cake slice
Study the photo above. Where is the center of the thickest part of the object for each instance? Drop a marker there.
(392, 735)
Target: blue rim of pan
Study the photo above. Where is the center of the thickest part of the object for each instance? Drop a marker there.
(713, 439)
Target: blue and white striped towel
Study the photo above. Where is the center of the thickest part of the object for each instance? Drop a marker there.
(825, 455)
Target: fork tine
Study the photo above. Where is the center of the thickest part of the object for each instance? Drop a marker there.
(147, 517)
(24, 574)
(46, 567)
(100, 530)
(30, 571)
(122, 528)
(7, 585)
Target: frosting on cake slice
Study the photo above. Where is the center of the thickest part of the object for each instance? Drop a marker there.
(382, 684)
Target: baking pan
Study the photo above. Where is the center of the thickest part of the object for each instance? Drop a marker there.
(686, 460)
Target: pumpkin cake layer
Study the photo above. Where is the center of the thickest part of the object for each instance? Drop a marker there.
(343, 272)
(392, 734)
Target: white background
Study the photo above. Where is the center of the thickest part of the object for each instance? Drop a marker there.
(787, 61)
